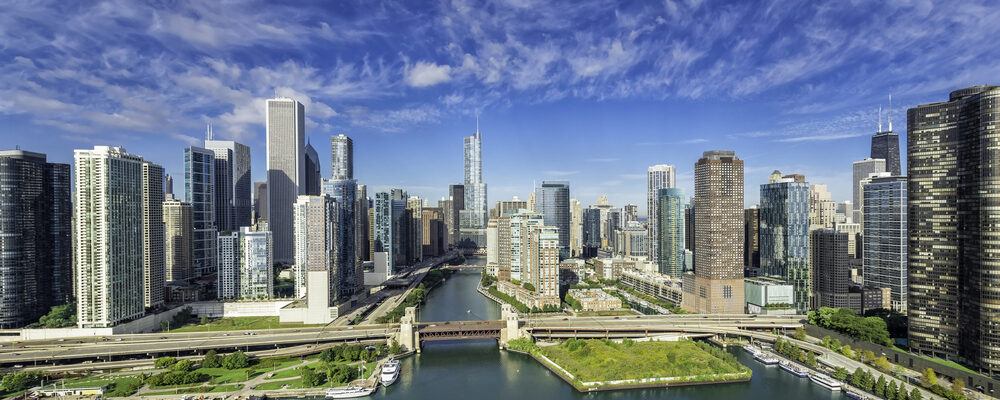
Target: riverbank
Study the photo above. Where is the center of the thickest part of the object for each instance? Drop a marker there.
(600, 365)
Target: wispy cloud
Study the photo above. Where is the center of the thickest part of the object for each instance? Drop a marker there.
(552, 172)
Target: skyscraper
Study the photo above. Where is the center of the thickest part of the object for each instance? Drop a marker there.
(199, 190)
(822, 208)
(575, 227)
(361, 228)
(35, 249)
(383, 229)
(228, 257)
(830, 261)
(154, 274)
(515, 255)
(108, 221)
(178, 232)
(414, 239)
(286, 170)
(885, 241)
(658, 177)
(472, 224)
(717, 283)
(341, 157)
(168, 184)
(862, 169)
(232, 184)
(751, 241)
(670, 231)
(952, 207)
(314, 178)
(591, 231)
(885, 144)
(432, 232)
(316, 228)
(260, 201)
(245, 265)
(552, 201)
(784, 236)
(344, 193)
(456, 194)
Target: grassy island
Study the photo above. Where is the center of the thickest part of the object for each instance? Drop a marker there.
(600, 364)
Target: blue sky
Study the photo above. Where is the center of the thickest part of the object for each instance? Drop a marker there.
(585, 91)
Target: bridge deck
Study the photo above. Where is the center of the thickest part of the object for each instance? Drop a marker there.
(460, 330)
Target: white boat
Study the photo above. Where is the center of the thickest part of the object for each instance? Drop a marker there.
(751, 349)
(794, 369)
(765, 358)
(825, 381)
(349, 392)
(390, 372)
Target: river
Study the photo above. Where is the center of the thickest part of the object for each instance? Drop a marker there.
(477, 370)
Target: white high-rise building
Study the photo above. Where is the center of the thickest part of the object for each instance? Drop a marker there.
(109, 218)
(154, 262)
(286, 170)
(862, 170)
(315, 234)
(822, 208)
(341, 157)
(472, 219)
(245, 265)
(658, 177)
(575, 228)
(228, 278)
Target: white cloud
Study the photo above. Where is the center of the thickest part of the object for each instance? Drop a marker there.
(425, 74)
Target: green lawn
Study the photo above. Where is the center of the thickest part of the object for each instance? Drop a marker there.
(196, 389)
(223, 375)
(294, 372)
(948, 363)
(292, 384)
(288, 373)
(602, 360)
(239, 323)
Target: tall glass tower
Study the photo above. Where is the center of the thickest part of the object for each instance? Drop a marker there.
(670, 231)
(552, 201)
(472, 219)
(784, 236)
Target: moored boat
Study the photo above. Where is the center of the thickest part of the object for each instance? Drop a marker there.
(765, 358)
(751, 349)
(825, 381)
(794, 369)
(349, 392)
(855, 394)
(390, 372)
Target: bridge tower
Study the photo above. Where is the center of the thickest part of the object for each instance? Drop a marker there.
(513, 329)
(407, 335)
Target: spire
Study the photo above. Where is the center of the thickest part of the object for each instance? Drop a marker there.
(208, 132)
(890, 112)
(879, 119)
(477, 124)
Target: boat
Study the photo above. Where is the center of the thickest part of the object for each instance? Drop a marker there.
(855, 394)
(390, 372)
(767, 359)
(349, 392)
(794, 369)
(751, 349)
(825, 381)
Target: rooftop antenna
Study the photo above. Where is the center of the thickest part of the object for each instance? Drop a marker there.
(879, 119)
(477, 123)
(208, 132)
(890, 112)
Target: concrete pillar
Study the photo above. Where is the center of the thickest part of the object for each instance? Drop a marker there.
(512, 330)
(407, 335)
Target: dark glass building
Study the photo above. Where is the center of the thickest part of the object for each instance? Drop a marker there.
(885, 145)
(953, 163)
(35, 248)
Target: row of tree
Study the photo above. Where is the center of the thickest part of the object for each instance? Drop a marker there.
(844, 320)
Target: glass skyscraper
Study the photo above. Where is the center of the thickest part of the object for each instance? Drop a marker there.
(344, 192)
(472, 218)
(670, 231)
(658, 177)
(35, 249)
(341, 157)
(199, 190)
(953, 213)
(232, 184)
(286, 170)
(552, 201)
(885, 240)
(784, 236)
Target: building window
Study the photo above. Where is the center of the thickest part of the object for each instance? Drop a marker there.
(727, 292)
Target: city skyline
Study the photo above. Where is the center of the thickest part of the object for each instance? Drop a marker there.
(809, 107)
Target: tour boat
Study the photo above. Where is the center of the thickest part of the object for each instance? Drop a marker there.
(825, 381)
(751, 349)
(390, 372)
(794, 369)
(855, 395)
(765, 358)
(349, 392)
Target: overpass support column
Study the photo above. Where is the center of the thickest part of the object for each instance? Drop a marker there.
(512, 330)
(407, 337)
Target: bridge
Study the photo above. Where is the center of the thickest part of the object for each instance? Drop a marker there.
(409, 333)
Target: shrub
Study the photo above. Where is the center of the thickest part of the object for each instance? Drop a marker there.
(236, 360)
(165, 362)
(843, 320)
(800, 333)
(183, 366)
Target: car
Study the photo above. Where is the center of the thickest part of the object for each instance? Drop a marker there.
(62, 340)
(565, 319)
(163, 337)
(616, 317)
(252, 387)
(369, 347)
(638, 316)
(119, 339)
(297, 330)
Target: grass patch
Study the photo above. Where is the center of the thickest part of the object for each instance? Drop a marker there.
(947, 363)
(288, 373)
(239, 323)
(292, 384)
(604, 360)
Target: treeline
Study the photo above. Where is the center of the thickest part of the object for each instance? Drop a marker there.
(60, 316)
(794, 352)
(843, 320)
(415, 297)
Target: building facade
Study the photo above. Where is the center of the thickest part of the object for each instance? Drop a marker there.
(178, 233)
(475, 212)
(232, 184)
(36, 267)
(717, 283)
(658, 177)
(862, 169)
(831, 267)
(154, 268)
(316, 227)
(784, 236)
(953, 204)
(670, 232)
(552, 201)
(199, 190)
(286, 171)
(885, 241)
(341, 157)
(348, 265)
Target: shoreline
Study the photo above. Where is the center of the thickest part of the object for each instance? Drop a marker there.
(603, 386)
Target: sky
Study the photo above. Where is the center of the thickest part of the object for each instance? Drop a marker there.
(592, 92)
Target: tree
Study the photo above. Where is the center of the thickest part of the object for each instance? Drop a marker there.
(211, 360)
(395, 348)
(880, 385)
(882, 364)
(846, 350)
(310, 377)
(901, 394)
(236, 360)
(165, 362)
(928, 378)
(204, 319)
(839, 373)
(958, 386)
(59, 316)
(800, 333)
(183, 366)
(916, 395)
(890, 391)
(858, 377)
(19, 381)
